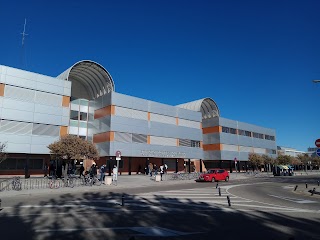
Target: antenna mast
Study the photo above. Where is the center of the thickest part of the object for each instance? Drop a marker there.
(24, 31)
(23, 51)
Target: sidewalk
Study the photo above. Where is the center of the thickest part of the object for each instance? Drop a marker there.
(39, 184)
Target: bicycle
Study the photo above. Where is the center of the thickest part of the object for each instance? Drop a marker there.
(16, 184)
(53, 183)
(69, 183)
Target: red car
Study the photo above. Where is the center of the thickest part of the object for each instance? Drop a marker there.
(213, 175)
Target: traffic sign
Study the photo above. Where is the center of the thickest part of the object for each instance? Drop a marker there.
(318, 152)
(317, 142)
(118, 155)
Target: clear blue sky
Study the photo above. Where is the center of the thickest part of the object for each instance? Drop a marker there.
(256, 59)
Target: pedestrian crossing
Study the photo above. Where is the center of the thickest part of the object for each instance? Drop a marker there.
(210, 197)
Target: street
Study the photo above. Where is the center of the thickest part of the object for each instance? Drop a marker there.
(259, 208)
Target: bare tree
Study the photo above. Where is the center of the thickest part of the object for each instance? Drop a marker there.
(3, 154)
(71, 147)
(304, 158)
(255, 160)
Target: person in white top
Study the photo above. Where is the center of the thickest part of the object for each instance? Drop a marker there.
(114, 173)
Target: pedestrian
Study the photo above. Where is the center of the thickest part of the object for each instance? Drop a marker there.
(165, 168)
(81, 170)
(45, 170)
(155, 168)
(161, 171)
(150, 169)
(114, 173)
(102, 173)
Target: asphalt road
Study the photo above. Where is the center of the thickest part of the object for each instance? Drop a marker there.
(260, 208)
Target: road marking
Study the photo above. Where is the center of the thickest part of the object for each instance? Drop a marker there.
(140, 231)
(296, 200)
(288, 187)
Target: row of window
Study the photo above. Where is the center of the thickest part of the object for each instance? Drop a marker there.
(247, 133)
(21, 163)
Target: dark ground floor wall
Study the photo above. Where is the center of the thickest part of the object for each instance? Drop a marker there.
(35, 164)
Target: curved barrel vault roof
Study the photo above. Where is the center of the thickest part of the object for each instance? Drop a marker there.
(89, 80)
(206, 106)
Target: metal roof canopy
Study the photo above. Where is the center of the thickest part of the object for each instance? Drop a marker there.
(89, 80)
(206, 106)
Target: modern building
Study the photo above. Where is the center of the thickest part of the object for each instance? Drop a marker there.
(289, 151)
(37, 110)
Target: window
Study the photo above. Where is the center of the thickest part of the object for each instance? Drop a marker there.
(225, 129)
(195, 144)
(247, 133)
(255, 135)
(233, 131)
(268, 137)
(241, 132)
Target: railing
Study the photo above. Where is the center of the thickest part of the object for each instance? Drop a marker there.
(38, 183)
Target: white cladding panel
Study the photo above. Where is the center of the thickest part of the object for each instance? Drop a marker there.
(162, 118)
(227, 147)
(18, 115)
(163, 141)
(188, 123)
(259, 150)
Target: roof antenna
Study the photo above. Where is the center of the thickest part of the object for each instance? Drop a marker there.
(24, 31)
(23, 54)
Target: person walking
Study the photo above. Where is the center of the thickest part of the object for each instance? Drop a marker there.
(114, 173)
(45, 170)
(102, 173)
(150, 169)
(81, 170)
(161, 171)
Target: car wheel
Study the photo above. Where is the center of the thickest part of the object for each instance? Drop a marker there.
(227, 179)
(213, 179)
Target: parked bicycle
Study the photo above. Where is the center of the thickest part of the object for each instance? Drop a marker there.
(16, 184)
(53, 183)
(89, 181)
(69, 183)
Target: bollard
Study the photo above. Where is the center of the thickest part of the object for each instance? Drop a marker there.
(318, 183)
(219, 192)
(122, 200)
(229, 203)
(313, 190)
(296, 187)
(217, 185)
(306, 185)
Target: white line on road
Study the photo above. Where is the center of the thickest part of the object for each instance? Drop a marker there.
(296, 200)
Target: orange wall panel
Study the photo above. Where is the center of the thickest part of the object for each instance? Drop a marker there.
(103, 137)
(177, 121)
(102, 112)
(215, 129)
(2, 89)
(65, 101)
(149, 116)
(63, 131)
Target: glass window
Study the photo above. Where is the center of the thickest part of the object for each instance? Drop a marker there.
(74, 115)
(255, 135)
(195, 144)
(21, 162)
(241, 132)
(248, 133)
(225, 129)
(233, 130)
